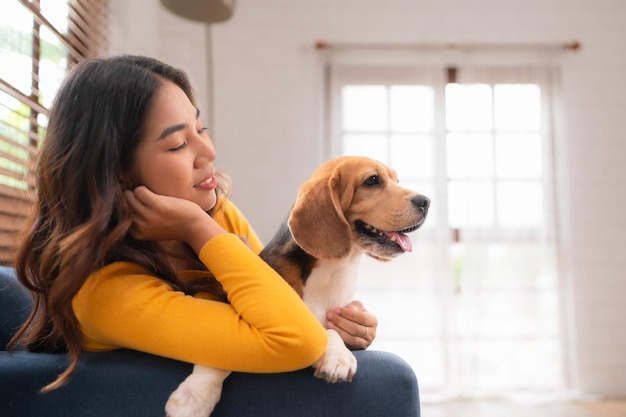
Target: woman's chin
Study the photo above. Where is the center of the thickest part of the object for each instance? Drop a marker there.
(208, 205)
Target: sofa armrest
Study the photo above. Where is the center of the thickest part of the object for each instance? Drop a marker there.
(128, 383)
(105, 384)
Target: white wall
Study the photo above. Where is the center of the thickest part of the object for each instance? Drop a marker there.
(145, 27)
(268, 111)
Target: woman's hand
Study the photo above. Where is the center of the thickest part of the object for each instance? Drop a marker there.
(355, 325)
(159, 217)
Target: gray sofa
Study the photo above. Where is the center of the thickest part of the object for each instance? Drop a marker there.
(129, 383)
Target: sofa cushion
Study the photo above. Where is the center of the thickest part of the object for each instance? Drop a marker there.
(16, 304)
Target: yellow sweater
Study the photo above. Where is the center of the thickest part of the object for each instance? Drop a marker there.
(265, 328)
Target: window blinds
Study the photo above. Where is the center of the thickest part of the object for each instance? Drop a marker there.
(39, 41)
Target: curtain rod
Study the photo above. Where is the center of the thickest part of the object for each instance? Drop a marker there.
(567, 46)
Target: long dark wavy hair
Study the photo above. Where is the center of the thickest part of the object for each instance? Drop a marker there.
(80, 219)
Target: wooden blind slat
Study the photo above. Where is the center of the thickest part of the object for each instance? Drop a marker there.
(30, 149)
(14, 92)
(12, 174)
(85, 23)
(12, 158)
(11, 225)
(16, 208)
(13, 194)
(89, 20)
(80, 33)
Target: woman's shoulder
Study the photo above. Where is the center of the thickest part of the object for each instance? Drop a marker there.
(117, 276)
(119, 268)
(233, 221)
(227, 212)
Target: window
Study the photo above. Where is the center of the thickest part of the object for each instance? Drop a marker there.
(379, 121)
(475, 307)
(39, 41)
(494, 155)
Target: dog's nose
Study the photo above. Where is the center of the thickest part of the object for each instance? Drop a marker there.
(422, 202)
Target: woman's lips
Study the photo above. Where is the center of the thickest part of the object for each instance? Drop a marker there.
(208, 183)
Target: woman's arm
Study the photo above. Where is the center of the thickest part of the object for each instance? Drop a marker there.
(265, 328)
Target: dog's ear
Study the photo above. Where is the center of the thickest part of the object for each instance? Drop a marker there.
(317, 221)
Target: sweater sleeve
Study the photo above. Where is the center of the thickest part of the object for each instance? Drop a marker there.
(265, 328)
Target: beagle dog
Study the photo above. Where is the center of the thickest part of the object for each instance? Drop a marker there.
(350, 206)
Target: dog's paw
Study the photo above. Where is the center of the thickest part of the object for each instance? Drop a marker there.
(337, 364)
(184, 402)
(197, 395)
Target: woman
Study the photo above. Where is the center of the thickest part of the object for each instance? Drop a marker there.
(120, 246)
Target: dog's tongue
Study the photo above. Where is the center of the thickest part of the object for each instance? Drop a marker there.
(401, 239)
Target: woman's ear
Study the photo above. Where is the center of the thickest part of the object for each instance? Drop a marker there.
(317, 222)
(125, 182)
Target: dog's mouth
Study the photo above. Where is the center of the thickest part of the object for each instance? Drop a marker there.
(384, 237)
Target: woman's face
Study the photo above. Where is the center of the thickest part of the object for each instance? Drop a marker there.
(175, 154)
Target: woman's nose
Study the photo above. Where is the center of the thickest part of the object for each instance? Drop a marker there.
(206, 152)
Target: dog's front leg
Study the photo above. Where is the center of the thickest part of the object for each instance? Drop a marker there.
(198, 394)
(337, 364)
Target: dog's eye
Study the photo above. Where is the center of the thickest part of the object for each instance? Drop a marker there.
(372, 181)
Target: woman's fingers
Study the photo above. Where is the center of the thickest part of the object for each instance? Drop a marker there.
(356, 326)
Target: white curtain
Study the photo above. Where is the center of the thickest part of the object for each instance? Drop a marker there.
(507, 333)
(475, 308)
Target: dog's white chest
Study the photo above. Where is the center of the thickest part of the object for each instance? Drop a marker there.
(331, 284)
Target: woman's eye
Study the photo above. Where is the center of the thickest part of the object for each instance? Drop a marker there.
(372, 181)
(179, 148)
(202, 130)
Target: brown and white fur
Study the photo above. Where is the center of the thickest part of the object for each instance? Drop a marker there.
(350, 206)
